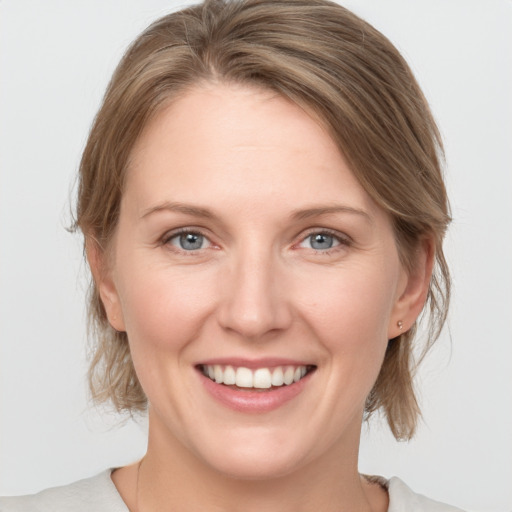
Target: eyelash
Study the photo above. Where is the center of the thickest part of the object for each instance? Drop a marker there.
(343, 240)
(166, 239)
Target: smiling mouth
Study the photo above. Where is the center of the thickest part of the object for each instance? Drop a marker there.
(264, 379)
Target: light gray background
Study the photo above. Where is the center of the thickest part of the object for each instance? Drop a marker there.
(55, 60)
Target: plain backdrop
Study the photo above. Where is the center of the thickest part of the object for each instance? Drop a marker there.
(56, 57)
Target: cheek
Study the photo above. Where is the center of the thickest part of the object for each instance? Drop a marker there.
(164, 307)
(165, 311)
(349, 315)
(349, 305)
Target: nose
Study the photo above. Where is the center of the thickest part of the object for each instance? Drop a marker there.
(254, 302)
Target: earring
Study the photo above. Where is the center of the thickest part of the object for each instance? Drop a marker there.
(400, 324)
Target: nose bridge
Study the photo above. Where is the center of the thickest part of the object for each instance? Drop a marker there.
(254, 302)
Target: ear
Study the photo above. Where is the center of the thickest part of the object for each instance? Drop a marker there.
(412, 290)
(105, 284)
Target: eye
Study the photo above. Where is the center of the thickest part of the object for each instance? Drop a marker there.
(322, 241)
(188, 241)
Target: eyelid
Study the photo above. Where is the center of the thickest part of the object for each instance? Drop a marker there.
(343, 241)
(169, 235)
(341, 237)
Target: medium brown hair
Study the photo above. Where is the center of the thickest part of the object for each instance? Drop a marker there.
(334, 65)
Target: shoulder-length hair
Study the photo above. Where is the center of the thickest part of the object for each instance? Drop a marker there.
(335, 66)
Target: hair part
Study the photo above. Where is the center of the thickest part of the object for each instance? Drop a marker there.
(338, 68)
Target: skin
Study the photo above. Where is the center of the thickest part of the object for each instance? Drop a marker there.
(256, 288)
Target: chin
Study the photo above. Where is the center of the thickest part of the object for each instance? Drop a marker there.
(251, 453)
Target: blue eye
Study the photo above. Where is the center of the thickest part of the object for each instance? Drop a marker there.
(320, 241)
(189, 241)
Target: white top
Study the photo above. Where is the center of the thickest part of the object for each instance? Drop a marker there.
(99, 494)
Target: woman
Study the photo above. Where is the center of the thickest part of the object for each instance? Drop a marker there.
(263, 211)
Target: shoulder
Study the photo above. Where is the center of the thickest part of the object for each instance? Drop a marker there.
(403, 499)
(97, 493)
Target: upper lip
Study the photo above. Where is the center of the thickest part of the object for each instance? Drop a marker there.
(253, 364)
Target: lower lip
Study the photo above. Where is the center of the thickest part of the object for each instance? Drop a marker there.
(254, 401)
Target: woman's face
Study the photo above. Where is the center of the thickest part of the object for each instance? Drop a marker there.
(246, 256)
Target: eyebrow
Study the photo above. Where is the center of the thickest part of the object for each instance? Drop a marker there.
(187, 209)
(302, 214)
(326, 210)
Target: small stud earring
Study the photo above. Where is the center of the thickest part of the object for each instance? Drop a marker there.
(400, 324)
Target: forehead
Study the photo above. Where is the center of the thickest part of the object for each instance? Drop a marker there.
(238, 142)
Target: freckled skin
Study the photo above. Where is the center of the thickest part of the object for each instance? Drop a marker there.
(256, 288)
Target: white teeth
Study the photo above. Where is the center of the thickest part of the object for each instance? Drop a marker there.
(244, 378)
(288, 375)
(218, 375)
(261, 378)
(229, 376)
(277, 377)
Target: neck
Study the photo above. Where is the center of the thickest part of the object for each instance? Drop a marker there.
(171, 477)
